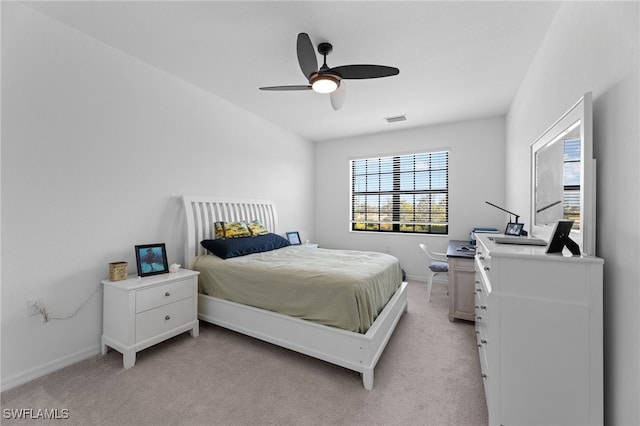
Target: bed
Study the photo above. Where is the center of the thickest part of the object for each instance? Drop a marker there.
(358, 349)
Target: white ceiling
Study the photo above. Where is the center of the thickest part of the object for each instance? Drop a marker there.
(458, 60)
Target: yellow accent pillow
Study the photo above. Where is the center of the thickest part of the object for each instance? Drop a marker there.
(257, 228)
(219, 229)
(236, 230)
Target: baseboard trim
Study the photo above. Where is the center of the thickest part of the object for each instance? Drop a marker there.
(422, 278)
(49, 367)
(416, 278)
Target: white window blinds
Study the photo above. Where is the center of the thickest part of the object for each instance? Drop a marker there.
(404, 193)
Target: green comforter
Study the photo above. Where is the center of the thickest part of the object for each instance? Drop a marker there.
(339, 288)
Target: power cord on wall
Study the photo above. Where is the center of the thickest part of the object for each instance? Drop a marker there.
(46, 317)
(43, 311)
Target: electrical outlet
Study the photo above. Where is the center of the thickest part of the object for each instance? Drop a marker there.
(33, 304)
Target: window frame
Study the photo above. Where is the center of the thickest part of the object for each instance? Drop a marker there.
(434, 196)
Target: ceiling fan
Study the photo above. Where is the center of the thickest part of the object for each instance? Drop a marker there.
(330, 80)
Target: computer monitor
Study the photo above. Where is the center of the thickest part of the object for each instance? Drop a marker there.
(560, 238)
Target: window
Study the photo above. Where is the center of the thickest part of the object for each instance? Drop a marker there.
(571, 169)
(403, 193)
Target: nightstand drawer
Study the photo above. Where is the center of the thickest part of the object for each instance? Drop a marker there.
(164, 318)
(161, 295)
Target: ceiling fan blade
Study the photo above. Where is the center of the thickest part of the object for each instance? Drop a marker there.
(354, 72)
(294, 87)
(338, 96)
(306, 55)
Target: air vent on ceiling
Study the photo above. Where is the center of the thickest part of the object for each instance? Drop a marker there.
(396, 118)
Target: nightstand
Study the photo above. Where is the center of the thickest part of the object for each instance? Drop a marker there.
(141, 312)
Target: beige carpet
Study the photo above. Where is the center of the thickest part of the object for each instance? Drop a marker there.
(428, 375)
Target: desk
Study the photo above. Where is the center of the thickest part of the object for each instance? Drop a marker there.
(461, 280)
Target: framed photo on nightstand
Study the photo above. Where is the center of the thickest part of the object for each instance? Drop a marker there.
(294, 238)
(151, 259)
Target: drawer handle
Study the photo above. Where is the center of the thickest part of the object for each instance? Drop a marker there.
(484, 342)
(478, 317)
(481, 257)
(478, 289)
(486, 268)
(484, 376)
(483, 307)
(167, 317)
(168, 294)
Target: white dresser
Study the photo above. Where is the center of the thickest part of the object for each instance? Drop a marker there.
(139, 313)
(539, 335)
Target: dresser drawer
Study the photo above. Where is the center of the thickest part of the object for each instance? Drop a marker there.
(483, 265)
(481, 290)
(481, 308)
(481, 314)
(484, 370)
(161, 295)
(484, 365)
(164, 318)
(481, 340)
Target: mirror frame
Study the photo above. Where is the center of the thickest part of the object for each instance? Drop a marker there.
(586, 237)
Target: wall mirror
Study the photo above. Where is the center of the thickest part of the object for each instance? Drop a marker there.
(563, 177)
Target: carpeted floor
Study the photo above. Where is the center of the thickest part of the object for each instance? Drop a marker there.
(428, 375)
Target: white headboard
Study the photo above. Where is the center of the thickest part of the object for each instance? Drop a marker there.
(202, 211)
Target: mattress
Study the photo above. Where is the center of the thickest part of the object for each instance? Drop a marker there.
(339, 288)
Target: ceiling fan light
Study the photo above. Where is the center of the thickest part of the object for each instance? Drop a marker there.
(325, 84)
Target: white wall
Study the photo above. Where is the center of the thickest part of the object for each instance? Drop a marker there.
(472, 145)
(593, 46)
(97, 147)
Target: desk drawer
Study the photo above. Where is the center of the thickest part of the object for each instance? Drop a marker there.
(161, 295)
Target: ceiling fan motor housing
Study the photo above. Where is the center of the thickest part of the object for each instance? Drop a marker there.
(325, 48)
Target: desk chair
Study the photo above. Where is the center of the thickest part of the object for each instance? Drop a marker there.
(438, 264)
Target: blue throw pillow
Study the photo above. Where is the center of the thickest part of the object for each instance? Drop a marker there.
(235, 247)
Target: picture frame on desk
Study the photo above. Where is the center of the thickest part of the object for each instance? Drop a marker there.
(151, 259)
(514, 229)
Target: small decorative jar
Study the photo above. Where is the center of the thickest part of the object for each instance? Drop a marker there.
(117, 271)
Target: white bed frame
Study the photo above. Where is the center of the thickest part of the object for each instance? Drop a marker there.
(355, 351)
